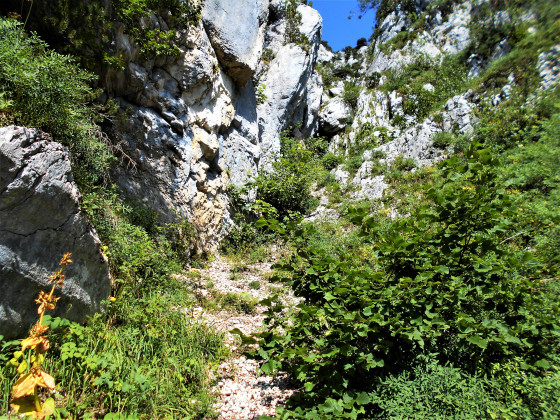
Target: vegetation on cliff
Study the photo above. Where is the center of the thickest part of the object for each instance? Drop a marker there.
(438, 300)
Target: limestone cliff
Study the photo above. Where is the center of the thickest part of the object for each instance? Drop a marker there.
(193, 124)
(393, 125)
(40, 220)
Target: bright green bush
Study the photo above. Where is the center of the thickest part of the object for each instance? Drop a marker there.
(403, 164)
(287, 187)
(430, 390)
(85, 28)
(293, 21)
(331, 161)
(49, 91)
(442, 139)
(351, 93)
(443, 281)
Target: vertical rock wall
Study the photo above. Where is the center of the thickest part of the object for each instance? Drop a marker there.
(40, 220)
(192, 124)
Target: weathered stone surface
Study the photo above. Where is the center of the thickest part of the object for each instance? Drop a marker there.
(334, 116)
(324, 55)
(286, 84)
(40, 220)
(236, 30)
(457, 111)
(190, 122)
(393, 23)
(548, 66)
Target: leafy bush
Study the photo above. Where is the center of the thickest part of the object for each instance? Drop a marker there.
(443, 281)
(430, 390)
(85, 28)
(403, 164)
(260, 97)
(268, 55)
(353, 163)
(331, 161)
(351, 93)
(46, 90)
(442, 139)
(286, 187)
(293, 21)
(533, 161)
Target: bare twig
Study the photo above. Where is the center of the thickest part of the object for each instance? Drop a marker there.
(511, 237)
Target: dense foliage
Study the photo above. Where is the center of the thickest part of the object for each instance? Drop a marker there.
(443, 281)
(86, 28)
(43, 89)
(142, 344)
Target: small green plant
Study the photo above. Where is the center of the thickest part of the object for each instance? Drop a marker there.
(442, 139)
(293, 21)
(268, 55)
(354, 163)
(259, 94)
(255, 285)
(401, 163)
(25, 392)
(331, 161)
(351, 93)
(240, 302)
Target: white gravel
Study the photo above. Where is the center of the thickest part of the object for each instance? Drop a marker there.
(243, 392)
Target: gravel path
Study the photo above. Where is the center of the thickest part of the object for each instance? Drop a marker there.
(242, 392)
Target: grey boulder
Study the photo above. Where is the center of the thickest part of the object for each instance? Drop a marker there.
(236, 31)
(334, 117)
(40, 220)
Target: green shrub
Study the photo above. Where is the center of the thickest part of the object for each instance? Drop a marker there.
(331, 161)
(372, 80)
(442, 140)
(268, 55)
(260, 97)
(443, 281)
(354, 163)
(286, 187)
(293, 21)
(430, 390)
(47, 90)
(351, 93)
(378, 154)
(403, 164)
(327, 74)
(86, 28)
(318, 146)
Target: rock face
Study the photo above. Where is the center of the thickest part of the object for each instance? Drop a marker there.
(334, 116)
(287, 86)
(40, 220)
(236, 31)
(193, 124)
(377, 112)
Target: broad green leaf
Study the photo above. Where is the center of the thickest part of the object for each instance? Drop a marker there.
(478, 341)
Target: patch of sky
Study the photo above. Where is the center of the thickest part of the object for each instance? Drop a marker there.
(341, 24)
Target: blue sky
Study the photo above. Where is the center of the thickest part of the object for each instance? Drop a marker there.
(340, 31)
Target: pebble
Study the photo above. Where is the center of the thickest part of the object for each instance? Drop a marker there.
(243, 392)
